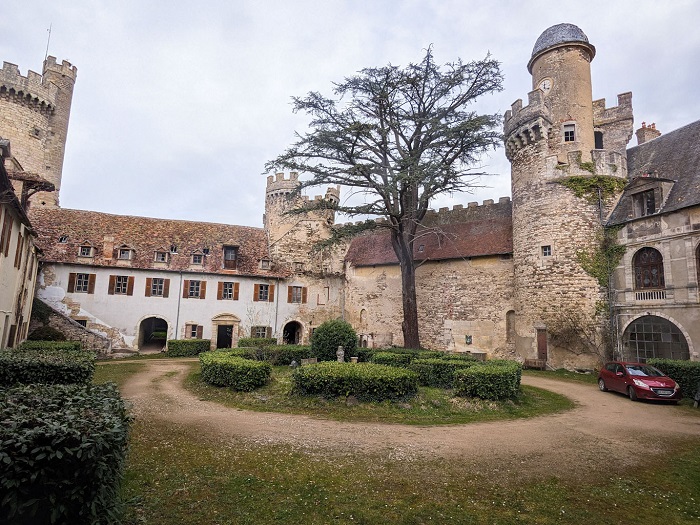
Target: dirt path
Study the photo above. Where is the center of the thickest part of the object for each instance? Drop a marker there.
(604, 427)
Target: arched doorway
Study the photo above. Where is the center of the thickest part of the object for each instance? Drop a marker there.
(652, 336)
(291, 335)
(153, 334)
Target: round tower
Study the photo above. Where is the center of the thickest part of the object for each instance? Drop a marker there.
(34, 114)
(549, 142)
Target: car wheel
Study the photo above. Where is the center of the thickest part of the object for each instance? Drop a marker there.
(632, 393)
(601, 385)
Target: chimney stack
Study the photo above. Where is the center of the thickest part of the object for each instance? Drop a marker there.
(647, 133)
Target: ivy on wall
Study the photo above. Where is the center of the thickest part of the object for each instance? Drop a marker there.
(590, 188)
(601, 261)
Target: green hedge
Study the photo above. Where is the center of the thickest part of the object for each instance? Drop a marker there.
(187, 347)
(497, 379)
(365, 381)
(250, 342)
(439, 373)
(62, 453)
(24, 366)
(685, 373)
(392, 359)
(50, 345)
(329, 336)
(278, 355)
(225, 369)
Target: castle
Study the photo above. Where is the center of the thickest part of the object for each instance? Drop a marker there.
(516, 278)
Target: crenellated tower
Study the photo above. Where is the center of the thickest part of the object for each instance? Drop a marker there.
(560, 142)
(34, 115)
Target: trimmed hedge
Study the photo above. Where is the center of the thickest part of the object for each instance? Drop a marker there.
(364, 355)
(439, 373)
(278, 355)
(250, 342)
(497, 379)
(45, 365)
(685, 373)
(50, 345)
(225, 369)
(329, 336)
(401, 360)
(187, 347)
(365, 381)
(62, 453)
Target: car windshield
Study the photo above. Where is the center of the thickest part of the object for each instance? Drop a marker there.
(643, 370)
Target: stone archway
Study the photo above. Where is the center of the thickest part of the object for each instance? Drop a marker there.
(292, 333)
(153, 334)
(653, 336)
(224, 331)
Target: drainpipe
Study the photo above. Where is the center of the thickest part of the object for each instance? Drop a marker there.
(177, 316)
(277, 304)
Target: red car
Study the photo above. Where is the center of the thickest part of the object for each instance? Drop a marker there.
(638, 381)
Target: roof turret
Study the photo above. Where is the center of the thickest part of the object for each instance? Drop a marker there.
(557, 36)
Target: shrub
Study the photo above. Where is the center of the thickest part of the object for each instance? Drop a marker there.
(364, 354)
(685, 373)
(187, 347)
(46, 365)
(51, 345)
(392, 359)
(63, 453)
(224, 369)
(497, 379)
(438, 373)
(254, 342)
(329, 336)
(366, 381)
(46, 333)
(284, 354)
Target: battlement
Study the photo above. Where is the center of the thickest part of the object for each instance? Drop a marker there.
(604, 162)
(525, 125)
(32, 87)
(65, 68)
(279, 185)
(623, 110)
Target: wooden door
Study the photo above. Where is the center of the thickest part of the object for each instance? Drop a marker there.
(542, 344)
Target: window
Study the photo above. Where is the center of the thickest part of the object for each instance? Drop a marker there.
(644, 203)
(547, 251)
(265, 264)
(124, 254)
(161, 257)
(6, 233)
(63, 239)
(120, 285)
(230, 257)
(197, 258)
(85, 251)
(173, 248)
(569, 132)
(193, 331)
(157, 287)
(648, 269)
(82, 283)
(260, 331)
(598, 138)
(264, 292)
(228, 291)
(298, 266)
(81, 322)
(296, 294)
(194, 289)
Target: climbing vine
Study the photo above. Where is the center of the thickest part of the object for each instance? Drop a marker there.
(601, 261)
(591, 188)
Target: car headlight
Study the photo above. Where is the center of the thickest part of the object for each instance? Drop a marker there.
(676, 387)
(641, 384)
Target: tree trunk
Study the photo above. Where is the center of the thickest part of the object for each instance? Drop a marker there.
(404, 252)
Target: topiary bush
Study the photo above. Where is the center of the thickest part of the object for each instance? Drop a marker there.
(48, 366)
(438, 373)
(685, 373)
(254, 342)
(329, 336)
(187, 347)
(497, 379)
(46, 333)
(365, 381)
(392, 359)
(225, 369)
(63, 453)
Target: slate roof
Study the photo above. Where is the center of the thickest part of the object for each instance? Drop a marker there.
(674, 156)
(146, 236)
(482, 233)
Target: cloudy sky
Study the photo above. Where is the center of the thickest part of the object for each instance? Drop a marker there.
(179, 104)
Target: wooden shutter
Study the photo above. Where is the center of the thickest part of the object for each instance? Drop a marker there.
(166, 287)
(130, 286)
(199, 331)
(268, 331)
(149, 286)
(235, 291)
(112, 284)
(185, 288)
(220, 291)
(71, 283)
(304, 291)
(202, 289)
(256, 292)
(18, 251)
(290, 291)
(271, 295)
(91, 283)
(8, 232)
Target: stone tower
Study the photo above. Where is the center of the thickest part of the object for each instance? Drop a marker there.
(291, 236)
(562, 135)
(34, 114)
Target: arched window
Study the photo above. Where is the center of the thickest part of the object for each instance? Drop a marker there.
(654, 337)
(648, 269)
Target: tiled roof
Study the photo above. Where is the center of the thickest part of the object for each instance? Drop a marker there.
(146, 236)
(674, 156)
(483, 233)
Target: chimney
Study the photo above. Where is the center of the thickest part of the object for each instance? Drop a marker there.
(108, 246)
(647, 133)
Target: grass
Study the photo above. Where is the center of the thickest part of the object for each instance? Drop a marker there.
(432, 406)
(563, 374)
(115, 372)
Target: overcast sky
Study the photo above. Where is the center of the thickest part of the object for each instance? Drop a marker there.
(178, 104)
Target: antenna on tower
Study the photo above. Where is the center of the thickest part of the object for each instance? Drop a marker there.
(47, 41)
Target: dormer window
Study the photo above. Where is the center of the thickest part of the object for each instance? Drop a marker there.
(644, 203)
(265, 264)
(198, 258)
(85, 250)
(569, 132)
(230, 257)
(173, 248)
(161, 257)
(63, 239)
(125, 254)
(298, 266)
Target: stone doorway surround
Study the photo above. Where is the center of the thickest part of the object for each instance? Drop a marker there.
(225, 319)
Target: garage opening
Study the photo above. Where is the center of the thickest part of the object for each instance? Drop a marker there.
(153, 334)
(654, 337)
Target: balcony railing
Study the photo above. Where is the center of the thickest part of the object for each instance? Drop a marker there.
(650, 295)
